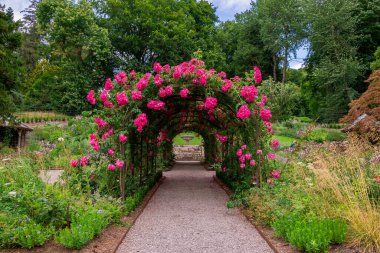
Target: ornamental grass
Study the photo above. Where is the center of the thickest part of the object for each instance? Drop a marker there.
(347, 186)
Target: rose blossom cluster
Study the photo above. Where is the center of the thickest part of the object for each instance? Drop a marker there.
(100, 122)
(274, 143)
(107, 134)
(257, 75)
(211, 103)
(83, 161)
(158, 80)
(221, 138)
(156, 105)
(249, 93)
(121, 98)
(184, 93)
(243, 112)
(136, 95)
(121, 77)
(167, 91)
(94, 142)
(243, 158)
(140, 122)
(91, 97)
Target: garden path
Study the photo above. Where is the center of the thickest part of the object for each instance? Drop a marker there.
(188, 214)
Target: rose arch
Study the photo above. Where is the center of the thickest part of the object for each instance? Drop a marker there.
(137, 115)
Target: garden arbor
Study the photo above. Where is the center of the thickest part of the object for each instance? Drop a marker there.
(137, 115)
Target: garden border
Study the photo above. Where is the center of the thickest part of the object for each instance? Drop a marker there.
(271, 241)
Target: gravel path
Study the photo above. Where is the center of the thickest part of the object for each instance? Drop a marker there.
(188, 214)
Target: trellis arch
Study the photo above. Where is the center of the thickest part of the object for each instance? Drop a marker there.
(138, 114)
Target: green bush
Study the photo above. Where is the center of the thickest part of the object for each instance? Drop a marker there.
(31, 234)
(85, 225)
(311, 234)
(284, 99)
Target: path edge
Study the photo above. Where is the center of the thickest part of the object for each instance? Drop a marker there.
(138, 211)
(229, 193)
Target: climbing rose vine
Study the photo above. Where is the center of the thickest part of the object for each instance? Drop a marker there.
(135, 105)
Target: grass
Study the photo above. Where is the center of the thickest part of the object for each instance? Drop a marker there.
(348, 190)
(284, 140)
(197, 139)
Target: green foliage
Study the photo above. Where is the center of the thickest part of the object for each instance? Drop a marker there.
(30, 234)
(333, 66)
(311, 234)
(376, 63)
(282, 27)
(10, 71)
(79, 51)
(283, 99)
(157, 31)
(85, 225)
(6, 150)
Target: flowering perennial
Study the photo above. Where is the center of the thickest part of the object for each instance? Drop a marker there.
(140, 122)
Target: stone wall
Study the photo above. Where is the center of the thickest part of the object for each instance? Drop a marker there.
(188, 153)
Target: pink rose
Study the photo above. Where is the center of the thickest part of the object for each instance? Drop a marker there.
(184, 93)
(122, 99)
(84, 160)
(111, 152)
(91, 97)
(136, 95)
(108, 85)
(119, 164)
(74, 163)
(123, 138)
(111, 166)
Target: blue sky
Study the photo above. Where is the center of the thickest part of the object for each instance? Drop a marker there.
(226, 9)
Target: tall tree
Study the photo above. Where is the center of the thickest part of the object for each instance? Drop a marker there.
(146, 31)
(368, 26)
(281, 28)
(10, 61)
(250, 46)
(79, 51)
(31, 46)
(332, 64)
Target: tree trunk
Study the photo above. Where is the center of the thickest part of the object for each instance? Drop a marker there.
(285, 64)
(274, 67)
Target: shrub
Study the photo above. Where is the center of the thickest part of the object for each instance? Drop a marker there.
(283, 99)
(311, 234)
(85, 225)
(317, 135)
(31, 234)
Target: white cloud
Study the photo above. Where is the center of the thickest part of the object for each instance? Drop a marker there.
(296, 65)
(226, 9)
(17, 6)
(232, 5)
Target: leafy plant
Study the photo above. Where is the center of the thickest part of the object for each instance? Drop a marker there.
(31, 234)
(311, 234)
(85, 225)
